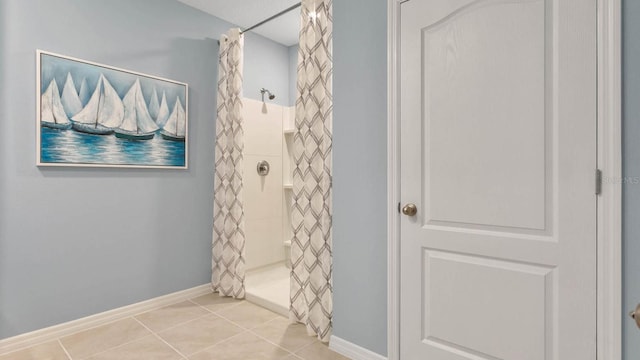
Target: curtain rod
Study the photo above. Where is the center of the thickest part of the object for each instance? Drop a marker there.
(271, 18)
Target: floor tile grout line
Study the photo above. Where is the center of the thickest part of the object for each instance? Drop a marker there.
(220, 342)
(231, 321)
(306, 346)
(110, 323)
(272, 342)
(178, 324)
(250, 330)
(293, 352)
(240, 301)
(64, 349)
(244, 327)
(87, 329)
(161, 339)
(210, 312)
(117, 346)
(225, 318)
(204, 307)
(270, 321)
(59, 339)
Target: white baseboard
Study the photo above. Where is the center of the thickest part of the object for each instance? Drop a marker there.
(352, 351)
(54, 332)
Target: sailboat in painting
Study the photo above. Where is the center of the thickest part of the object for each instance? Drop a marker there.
(52, 113)
(176, 127)
(137, 123)
(84, 94)
(103, 112)
(154, 105)
(70, 99)
(163, 111)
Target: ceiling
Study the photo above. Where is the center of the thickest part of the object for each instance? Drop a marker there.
(245, 13)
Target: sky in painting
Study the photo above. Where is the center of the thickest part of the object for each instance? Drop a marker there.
(58, 67)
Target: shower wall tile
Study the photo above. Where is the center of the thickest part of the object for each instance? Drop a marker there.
(262, 194)
(262, 128)
(287, 172)
(263, 245)
(288, 117)
(287, 210)
(263, 213)
(287, 145)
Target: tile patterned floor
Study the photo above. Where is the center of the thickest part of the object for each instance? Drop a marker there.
(203, 328)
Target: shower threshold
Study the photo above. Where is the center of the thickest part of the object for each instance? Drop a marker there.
(269, 286)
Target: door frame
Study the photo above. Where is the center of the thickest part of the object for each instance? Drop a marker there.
(609, 160)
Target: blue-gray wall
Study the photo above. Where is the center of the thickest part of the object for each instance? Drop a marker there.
(293, 73)
(631, 173)
(75, 242)
(266, 65)
(360, 172)
(359, 167)
(51, 271)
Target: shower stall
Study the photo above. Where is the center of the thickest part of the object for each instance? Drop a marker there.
(268, 129)
(272, 240)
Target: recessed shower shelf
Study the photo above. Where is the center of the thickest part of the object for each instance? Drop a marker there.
(289, 131)
(288, 186)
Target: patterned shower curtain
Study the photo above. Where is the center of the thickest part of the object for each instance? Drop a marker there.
(311, 246)
(228, 263)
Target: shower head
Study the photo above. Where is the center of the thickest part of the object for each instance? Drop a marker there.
(263, 91)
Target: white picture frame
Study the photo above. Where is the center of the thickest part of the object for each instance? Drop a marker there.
(95, 115)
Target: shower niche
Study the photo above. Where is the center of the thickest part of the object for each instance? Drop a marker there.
(268, 130)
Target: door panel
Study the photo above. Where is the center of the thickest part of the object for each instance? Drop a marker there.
(506, 40)
(498, 152)
(470, 290)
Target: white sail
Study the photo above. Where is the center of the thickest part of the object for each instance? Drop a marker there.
(129, 121)
(177, 123)
(104, 106)
(136, 115)
(89, 114)
(154, 106)
(70, 100)
(46, 108)
(51, 109)
(112, 111)
(182, 120)
(84, 94)
(163, 112)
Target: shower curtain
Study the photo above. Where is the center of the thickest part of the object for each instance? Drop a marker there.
(228, 262)
(311, 246)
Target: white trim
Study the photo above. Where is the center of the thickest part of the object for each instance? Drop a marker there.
(267, 304)
(351, 350)
(393, 182)
(609, 293)
(609, 273)
(26, 340)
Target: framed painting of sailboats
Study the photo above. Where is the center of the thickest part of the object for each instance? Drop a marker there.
(90, 114)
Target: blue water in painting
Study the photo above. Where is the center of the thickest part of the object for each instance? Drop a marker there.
(70, 146)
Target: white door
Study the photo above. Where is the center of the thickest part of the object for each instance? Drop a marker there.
(498, 143)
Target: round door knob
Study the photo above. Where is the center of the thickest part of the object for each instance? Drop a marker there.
(635, 315)
(410, 210)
